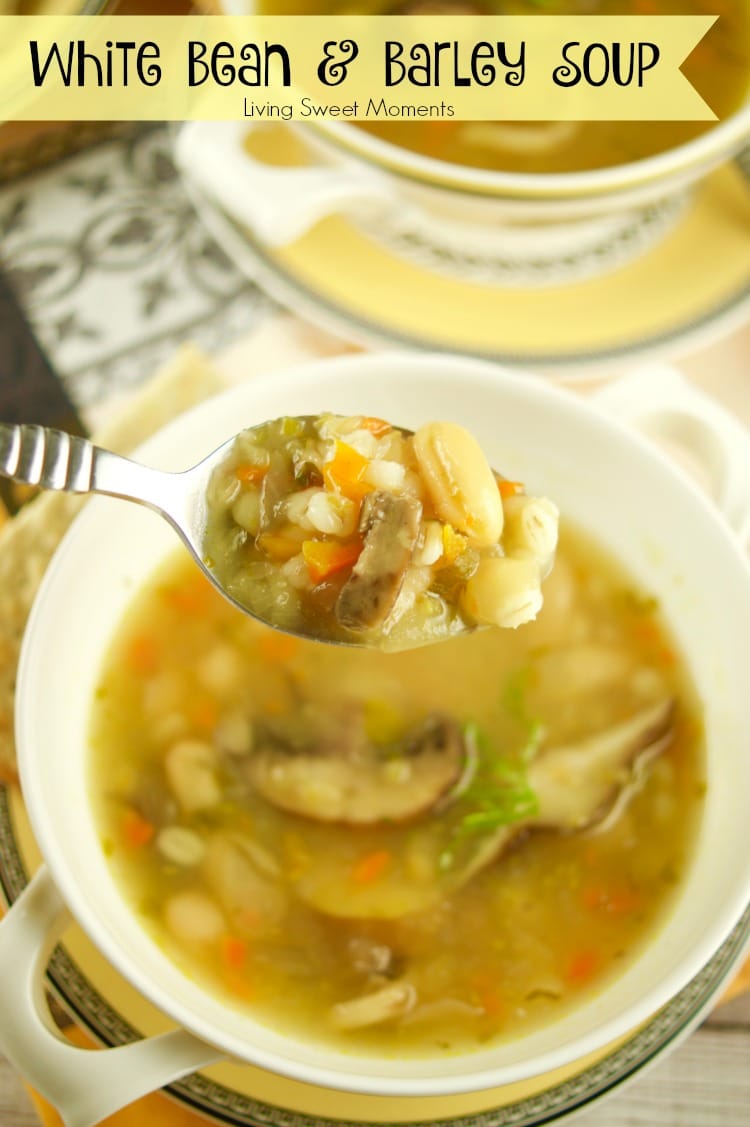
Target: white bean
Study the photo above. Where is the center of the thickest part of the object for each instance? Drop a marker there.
(503, 592)
(430, 545)
(531, 527)
(459, 480)
(190, 768)
(193, 917)
(182, 846)
(234, 733)
(220, 670)
(163, 693)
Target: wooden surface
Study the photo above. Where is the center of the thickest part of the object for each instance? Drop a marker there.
(705, 1082)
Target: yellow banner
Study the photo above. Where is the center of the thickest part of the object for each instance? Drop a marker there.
(483, 68)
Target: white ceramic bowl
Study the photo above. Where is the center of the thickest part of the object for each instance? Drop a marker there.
(607, 479)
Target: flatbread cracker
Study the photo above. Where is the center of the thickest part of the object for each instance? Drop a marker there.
(29, 540)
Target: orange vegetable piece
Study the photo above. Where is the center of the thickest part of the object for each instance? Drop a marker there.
(143, 654)
(509, 488)
(583, 967)
(277, 647)
(250, 474)
(376, 427)
(372, 866)
(345, 470)
(233, 951)
(618, 901)
(326, 557)
(136, 830)
(192, 597)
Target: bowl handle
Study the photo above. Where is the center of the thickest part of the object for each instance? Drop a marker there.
(278, 203)
(661, 400)
(84, 1086)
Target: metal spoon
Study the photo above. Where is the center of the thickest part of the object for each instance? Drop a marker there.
(54, 460)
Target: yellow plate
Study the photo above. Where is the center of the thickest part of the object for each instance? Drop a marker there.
(108, 1007)
(695, 283)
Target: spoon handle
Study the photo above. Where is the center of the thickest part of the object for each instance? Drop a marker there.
(52, 459)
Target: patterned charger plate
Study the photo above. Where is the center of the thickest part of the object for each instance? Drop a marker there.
(388, 287)
(108, 1008)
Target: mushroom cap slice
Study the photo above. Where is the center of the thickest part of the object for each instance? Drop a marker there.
(329, 771)
(580, 785)
(390, 526)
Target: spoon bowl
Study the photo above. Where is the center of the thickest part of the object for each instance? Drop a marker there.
(417, 561)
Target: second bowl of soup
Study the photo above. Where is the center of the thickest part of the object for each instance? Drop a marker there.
(521, 203)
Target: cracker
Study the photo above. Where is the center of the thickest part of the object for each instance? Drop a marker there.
(29, 540)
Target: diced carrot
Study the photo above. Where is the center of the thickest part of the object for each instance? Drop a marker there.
(233, 951)
(136, 830)
(192, 597)
(278, 546)
(618, 900)
(203, 714)
(277, 647)
(647, 632)
(376, 427)
(509, 488)
(250, 474)
(372, 866)
(143, 654)
(326, 557)
(345, 471)
(490, 1001)
(582, 967)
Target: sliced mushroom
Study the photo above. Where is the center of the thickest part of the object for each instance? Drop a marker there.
(390, 526)
(579, 785)
(327, 769)
(392, 1001)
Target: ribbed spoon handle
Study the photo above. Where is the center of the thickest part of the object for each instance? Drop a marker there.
(50, 458)
(55, 460)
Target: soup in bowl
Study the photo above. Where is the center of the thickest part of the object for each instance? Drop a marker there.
(195, 781)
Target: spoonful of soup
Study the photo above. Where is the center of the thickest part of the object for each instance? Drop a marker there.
(343, 529)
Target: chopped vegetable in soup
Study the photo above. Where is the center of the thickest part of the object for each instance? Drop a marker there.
(409, 853)
(719, 68)
(349, 529)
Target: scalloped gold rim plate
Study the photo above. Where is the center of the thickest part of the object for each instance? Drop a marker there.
(692, 286)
